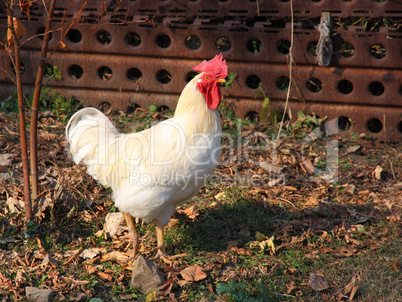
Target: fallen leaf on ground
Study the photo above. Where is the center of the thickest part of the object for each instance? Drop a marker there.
(105, 276)
(307, 166)
(396, 267)
(263, 242)
(6, 159)
(115, 256)
(290, 287)
(191, 212)
(220, 196)
(317, 282)
(172, 222)
(48, 260)
(15, 206)
(377, 172)
(231, 245)
(89, 253)
(114, 224)
(193, 273)
(351, 189)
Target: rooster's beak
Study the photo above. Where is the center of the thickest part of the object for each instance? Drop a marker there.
(221, 81)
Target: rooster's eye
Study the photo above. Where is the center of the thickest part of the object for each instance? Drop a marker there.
(206, 78)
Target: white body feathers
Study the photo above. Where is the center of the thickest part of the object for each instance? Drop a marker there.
(152, 171)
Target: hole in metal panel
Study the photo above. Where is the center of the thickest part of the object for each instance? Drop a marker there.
(104, 37)
(252, 116)
(283, 46)
(163, 41)
(163, 76)
(345, 86)
(133, 39)
(282, 82)
(48, 70)
(254, 45)
(314, 85)
(131, 108)
(193, 42)
(104, 107)
(163, 108)
(41, 33)
(374, 125)
(223, 43)
(190, 76)
(347, 50)
(74, 35)
(253, 81)
(400, 127)
(134, 74)
(312, 48)
(105, 73)
(376, 88)
(75, 71)
(378, 51)
(22, 68)
(344, 123)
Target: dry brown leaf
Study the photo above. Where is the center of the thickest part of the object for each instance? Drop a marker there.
(6, 159)
(307, 166)
(317, 282)
(353, 292)
(115, 256)
(114, 224)
(263, 242)
(48, 260)
(220, 196)
(63, 46)
(325, 249)
(193, 273)
(173, 222)
(191, 212)
(24, 5)
(89, 253)
(377, 172)
(348, 251)
(231, 245)
(19, 32)
(15, 205)
(396, 266)
(351, 189)
(290, 287)
(90, 269)
(105, 276)
(312, 201)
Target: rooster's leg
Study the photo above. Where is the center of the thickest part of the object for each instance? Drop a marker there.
(132, 232)
(159, 236)
(161, 254)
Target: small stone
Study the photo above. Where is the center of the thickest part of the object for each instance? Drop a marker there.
(38, 295)
(146, 276)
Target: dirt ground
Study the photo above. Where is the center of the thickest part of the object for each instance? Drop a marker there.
(332, 204)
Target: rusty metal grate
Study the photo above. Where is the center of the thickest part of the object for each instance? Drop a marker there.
(141, 52)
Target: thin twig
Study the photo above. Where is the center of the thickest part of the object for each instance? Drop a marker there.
(290, 68)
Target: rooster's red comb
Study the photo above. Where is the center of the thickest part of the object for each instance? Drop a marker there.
(216, 66)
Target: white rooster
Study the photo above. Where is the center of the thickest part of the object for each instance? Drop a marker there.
(152, 171)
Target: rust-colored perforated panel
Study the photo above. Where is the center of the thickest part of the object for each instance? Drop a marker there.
(141, 52)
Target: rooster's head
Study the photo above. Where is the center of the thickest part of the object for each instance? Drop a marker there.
(214, 72)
